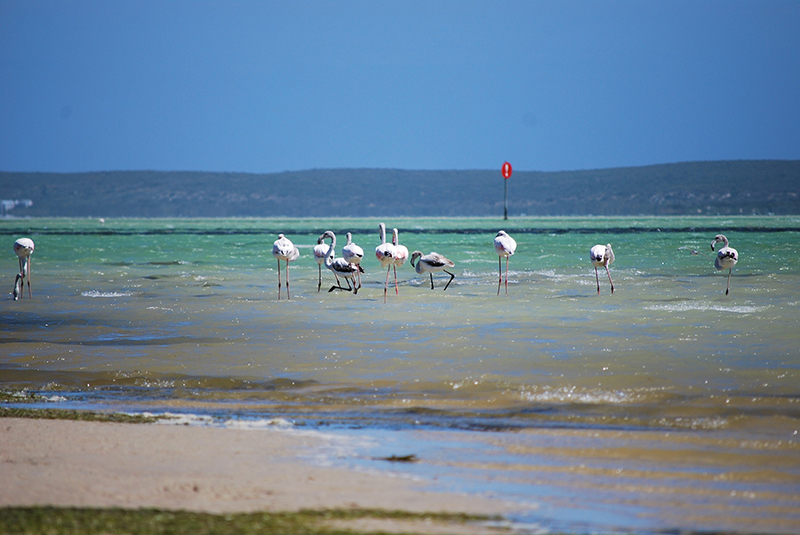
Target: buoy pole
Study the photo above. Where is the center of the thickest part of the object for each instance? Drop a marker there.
(506, 171)
(505, 199)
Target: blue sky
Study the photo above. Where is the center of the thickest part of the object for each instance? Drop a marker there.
(269, 86)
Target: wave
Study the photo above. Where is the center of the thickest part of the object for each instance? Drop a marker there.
(705, 307)
(97, 293)
(575, 395)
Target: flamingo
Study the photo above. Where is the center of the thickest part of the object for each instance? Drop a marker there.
(602, 256)
(505, 246)
(692, 250)
(320, 249)
(384, 253)
(23, 248)
(431, 263)
(399, 258)
(340, 266)
(353, 254)
(284, 249)
(726, 257)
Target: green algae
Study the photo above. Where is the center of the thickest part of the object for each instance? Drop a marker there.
(86, 416)
(73, 521)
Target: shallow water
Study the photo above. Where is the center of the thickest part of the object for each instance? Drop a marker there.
(675, 404)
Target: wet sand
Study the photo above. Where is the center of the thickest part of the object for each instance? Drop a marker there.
(93, 464)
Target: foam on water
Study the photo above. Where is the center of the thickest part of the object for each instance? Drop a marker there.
(99, 294)
(573, 394)
(271, 423)
(685, 307)
(172, 418)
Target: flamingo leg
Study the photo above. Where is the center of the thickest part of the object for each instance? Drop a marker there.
(396, 289)
(431, 281)
(19, 286)
(729, 281)
(499, 273)
(319, 283)
(279, 280)
(451, 279)
(597, 278)
(342, 288)
(23, 264)
(507, 275)
(609, 279)
(386, 284)
(337, 286)
(287, 281)
(19, 281)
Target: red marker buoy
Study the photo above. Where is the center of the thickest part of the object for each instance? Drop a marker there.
(506, 170)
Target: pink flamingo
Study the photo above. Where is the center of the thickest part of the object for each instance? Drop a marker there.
(23, 248)
(431, 263)
(353, 254)
(284, 249)
(602, 256)
(726, 257)
(505, 246)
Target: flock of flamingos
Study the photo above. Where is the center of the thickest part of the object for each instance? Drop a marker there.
(390, 256)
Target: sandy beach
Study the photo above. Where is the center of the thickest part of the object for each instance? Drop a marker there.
(99, 464)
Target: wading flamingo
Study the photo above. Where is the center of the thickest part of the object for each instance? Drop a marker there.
(399, 258)
(353, 254)
(320, 250)
(726, 257)
(431, 263)
(339, 266)
(23, 248)
(602, 256)
(384, 253)
(284, 249)
(504, 245)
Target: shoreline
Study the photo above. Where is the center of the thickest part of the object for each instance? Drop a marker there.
(80, 464)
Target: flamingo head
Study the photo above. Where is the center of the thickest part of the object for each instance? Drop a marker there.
(719, 238)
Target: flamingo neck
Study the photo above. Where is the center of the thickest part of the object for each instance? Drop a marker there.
(330, 253)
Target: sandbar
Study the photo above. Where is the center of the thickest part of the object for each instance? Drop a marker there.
(66, 463)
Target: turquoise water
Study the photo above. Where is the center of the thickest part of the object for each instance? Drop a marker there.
(667, 405)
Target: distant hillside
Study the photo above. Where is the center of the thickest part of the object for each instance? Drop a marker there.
(727, 187)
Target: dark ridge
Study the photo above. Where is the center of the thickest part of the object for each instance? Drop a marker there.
(742, 187)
